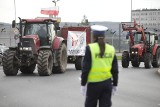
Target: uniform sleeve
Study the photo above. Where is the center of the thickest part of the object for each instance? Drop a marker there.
(115, 71)
(86, 66)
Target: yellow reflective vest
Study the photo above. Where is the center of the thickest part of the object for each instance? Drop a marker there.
(100, 67)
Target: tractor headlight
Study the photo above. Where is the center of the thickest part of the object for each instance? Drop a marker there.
(136, 52)
(132, 52)
(25, 48)
(20, 48)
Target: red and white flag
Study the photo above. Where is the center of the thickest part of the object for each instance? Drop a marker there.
(50, 11)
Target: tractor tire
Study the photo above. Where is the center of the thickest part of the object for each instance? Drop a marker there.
(45, 62)
(147, 60)
(156, 60)
(28, 69)
(61, 58)
(78, 63)
(135, 62)
(125, 59)
(10, 63)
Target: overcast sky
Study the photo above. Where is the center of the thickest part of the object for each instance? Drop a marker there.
(74, 10)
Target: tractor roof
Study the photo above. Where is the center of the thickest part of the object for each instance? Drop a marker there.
(150, 32)
(36, 20)
(147, 32)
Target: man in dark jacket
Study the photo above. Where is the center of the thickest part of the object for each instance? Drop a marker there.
(42, 33)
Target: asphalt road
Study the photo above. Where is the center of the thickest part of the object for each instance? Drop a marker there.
(138, 87)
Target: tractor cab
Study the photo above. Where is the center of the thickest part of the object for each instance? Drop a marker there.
(43, 28)
(45, 32)
(151, 38)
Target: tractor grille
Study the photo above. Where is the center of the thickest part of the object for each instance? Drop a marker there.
(134, 53)
(27, 44)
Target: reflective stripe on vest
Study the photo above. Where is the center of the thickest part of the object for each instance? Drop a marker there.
(101, 67)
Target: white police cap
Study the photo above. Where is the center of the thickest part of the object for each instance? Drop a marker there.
(99, 29)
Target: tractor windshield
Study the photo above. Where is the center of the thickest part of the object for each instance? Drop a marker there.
(137, 38)
(39, 29)
(36, 29)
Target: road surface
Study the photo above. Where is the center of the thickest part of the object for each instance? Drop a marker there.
(138, 87)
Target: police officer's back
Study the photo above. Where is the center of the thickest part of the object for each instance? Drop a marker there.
(99, 70)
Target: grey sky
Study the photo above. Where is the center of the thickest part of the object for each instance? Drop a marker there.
(73, 10)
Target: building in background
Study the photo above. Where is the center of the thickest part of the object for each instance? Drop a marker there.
(149, 18)
(7, 35)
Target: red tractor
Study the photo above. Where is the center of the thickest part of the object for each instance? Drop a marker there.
(143, 47)
(76, 39)
(38, 44)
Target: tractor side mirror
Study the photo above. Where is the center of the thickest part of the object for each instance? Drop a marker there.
(13, 24)
(156, 37)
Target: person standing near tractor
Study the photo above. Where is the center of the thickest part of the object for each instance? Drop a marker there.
(42, 33)
(99, 77)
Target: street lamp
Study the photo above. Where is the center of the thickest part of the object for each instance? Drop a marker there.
(15, 9)
(55, 1)
(56, 8)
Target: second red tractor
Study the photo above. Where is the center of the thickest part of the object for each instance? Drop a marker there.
(143, 47)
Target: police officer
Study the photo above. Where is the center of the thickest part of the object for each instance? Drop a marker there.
(99, 77)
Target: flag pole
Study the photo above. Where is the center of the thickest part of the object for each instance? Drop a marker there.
(131, 10)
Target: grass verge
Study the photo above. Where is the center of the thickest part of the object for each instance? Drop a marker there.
(119, 57)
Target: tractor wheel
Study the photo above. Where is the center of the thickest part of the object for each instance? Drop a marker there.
(45, 62)
(135, 62)
(10, 63)
(78, 63)
(125, 59)
(61, 58)
(147, 60)
(156, 60)
(28, 69)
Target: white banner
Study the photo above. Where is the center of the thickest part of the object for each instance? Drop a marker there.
(76, 43)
